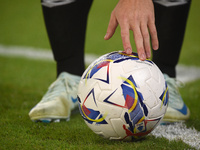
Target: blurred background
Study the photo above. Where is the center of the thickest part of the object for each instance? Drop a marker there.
(21, 24)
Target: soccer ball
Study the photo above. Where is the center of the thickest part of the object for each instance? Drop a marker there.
(121, 97)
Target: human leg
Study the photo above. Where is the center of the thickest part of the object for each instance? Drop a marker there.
(171, 19)
(66, 27)
(66, 24)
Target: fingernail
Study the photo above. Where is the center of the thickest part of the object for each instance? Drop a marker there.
(143, 57)
(155, 47)
(148, 55)
(128, 50)
(106, 36)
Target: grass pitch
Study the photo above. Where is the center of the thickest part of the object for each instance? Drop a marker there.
(23, 82)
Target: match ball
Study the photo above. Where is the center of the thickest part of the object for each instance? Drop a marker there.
(121, 97)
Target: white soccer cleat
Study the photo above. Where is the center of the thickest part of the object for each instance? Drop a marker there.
(177, 111)
(59, 101)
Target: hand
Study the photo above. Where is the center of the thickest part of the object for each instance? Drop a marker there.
(138, 16)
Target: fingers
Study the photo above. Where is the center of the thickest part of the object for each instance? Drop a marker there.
(146, 40)
(142, 33)
(139, 42)
(142, 23)
(154, 37)
(111, 27)
(124, 33)
(126, 39)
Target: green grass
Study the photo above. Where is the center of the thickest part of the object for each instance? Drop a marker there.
(191, 45)
(23, 82)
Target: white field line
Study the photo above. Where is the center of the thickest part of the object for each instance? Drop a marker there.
(177, 131)
(184, 73)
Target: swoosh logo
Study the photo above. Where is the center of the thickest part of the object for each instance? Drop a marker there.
(183, 110)
(74, 100)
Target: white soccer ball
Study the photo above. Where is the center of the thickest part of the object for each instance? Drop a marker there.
(121, 97)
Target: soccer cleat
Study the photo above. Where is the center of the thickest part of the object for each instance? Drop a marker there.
(59, 101)
(177, 111)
